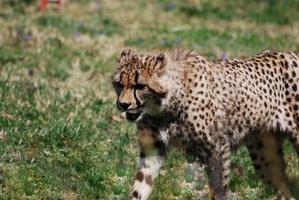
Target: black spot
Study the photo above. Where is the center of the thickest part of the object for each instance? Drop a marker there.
(265, 91)
(294, 87)
(135, 194)
(265, 104)
(286, 75)
(286, 65)
(294, 74)
(161, 57)
(240, 129)
(139, 176)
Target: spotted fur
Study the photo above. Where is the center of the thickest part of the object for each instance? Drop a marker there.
(210, 108)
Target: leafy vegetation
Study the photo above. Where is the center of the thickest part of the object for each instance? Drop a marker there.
(61, 136)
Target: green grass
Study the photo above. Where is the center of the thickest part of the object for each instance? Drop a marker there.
(61, 136)
(269, 11)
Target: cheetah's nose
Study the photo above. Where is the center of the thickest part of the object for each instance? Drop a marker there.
(124, 105)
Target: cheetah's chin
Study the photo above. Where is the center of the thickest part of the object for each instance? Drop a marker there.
(132, 116)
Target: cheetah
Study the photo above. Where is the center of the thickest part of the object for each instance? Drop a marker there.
(209, 108)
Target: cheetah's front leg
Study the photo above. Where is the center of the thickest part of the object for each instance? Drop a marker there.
(152, 153)
(218, 170)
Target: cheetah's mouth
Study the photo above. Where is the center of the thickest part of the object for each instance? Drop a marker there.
(132, 115)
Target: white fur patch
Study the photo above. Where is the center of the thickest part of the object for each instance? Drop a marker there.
(143, 189)
(151, 169)
(153, 165)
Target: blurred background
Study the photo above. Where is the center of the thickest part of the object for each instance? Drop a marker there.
(61, 136)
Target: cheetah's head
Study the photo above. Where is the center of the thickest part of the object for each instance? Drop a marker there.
(136, 83)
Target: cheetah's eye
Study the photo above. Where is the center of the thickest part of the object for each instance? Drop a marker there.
(140, 86)
(118, 85)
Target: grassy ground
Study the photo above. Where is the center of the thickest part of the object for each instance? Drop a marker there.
(60, 134)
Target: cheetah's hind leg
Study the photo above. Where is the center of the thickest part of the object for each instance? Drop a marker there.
(265, 150)
(293, 136)
(292, 132)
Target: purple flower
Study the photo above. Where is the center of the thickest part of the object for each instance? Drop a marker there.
(170, 6)
(77, 34)
(28, 37)
(224, 56)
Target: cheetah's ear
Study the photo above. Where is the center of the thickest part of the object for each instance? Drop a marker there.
(154, 84)
(127, 54)
(153, 81)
